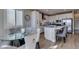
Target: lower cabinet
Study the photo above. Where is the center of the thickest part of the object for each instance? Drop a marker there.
(30, 42)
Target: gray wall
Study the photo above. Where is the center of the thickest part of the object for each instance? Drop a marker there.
(1, 24)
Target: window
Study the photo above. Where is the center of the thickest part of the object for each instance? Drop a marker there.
(11, 18)
(19, 18)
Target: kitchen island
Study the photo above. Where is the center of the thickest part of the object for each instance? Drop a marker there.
(50, 32)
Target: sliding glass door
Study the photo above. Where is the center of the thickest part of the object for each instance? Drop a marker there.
(68, 23)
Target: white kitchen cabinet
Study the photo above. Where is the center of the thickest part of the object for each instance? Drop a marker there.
(30, 41)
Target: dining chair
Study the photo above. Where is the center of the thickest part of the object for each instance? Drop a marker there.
(63, 34)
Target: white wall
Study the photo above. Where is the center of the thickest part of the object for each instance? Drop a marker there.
(36, 19)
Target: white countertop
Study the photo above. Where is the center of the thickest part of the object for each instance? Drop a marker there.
(57, 27)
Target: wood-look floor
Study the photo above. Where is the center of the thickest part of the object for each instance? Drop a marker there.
(72, 42)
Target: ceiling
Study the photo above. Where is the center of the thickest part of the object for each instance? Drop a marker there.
(53, 11)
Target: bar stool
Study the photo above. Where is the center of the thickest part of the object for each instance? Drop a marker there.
(63, 34)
